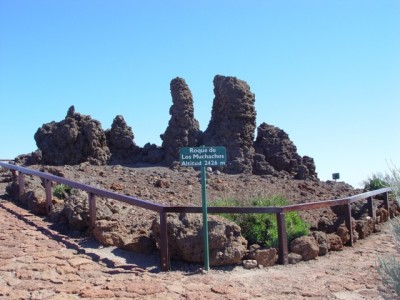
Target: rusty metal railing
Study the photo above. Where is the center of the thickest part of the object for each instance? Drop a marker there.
(163, 209)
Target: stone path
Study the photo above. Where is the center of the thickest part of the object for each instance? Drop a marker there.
(38, 263)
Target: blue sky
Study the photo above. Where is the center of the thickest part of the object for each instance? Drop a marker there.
(326, 72)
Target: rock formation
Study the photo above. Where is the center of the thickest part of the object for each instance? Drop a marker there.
(233, 122)
(120, 140)
(183, 129)
(274, 148)
(76, 139)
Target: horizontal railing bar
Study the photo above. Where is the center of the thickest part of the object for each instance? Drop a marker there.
(97, 191)
(193, 209)
(315, 205)
(3, 159)
(362, 196)
(223, 209)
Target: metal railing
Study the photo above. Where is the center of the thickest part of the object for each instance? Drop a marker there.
(162, 210)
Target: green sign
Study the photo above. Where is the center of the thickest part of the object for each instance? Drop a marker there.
(202, 156)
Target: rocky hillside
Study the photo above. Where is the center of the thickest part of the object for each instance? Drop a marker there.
(135, 229)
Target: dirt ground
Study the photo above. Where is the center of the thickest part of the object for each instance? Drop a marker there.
(39, 263)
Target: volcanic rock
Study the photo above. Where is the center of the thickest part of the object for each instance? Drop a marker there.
(322, 241)
(112, 233)
(185, 239)
(183, 129)
(34, 195)
(294, 258)
(280, 153)
(306, 246)
(232, 123)
(335, 242)
(344, 234)
(264, 256)
(382, 215)
(77, 138)
(365, 227)
(120, 140)
(249, 264)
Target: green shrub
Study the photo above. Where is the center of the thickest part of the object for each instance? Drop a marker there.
(262, 228)
(61, 191)
(376, 182)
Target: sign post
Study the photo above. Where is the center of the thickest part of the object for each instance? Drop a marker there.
(203, 157)
(335, 176)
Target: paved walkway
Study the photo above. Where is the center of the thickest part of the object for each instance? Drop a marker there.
(38, 263)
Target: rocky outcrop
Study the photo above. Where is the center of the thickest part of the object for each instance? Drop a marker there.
(232, 123)
(33, 158)
(279, 152)
(183, 129)
(185, 239)
(120, 141)
(76, 139)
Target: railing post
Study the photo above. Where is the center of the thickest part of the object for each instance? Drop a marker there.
(49, 203)
(371, 208)
(386, 202)
(282, 239)
(165, 263)
(21, 184)
(349, 223)
(92, 211)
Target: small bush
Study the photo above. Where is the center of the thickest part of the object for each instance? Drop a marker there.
(61, 191)
(376, 182)
(263, 228)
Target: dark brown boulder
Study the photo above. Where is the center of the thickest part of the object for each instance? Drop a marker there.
(120, 140)
(76, 139)
(344, 234)
(183, 129)
(185, 239)
(322, 241)
(365, 227)
(335, 242)
(112, 233)
(306, 246)
(232, 123)
(280, 153)
(265, 257)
